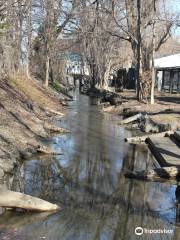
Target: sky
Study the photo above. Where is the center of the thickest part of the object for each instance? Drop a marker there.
(175, 4)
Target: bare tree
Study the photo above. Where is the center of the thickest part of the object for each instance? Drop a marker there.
(34, 29)
(143, 19)
(101, 50)
(55, 17)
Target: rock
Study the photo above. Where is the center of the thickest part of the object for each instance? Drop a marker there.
(115, 100)
(149, 126)
(105, 96)
(112, 98)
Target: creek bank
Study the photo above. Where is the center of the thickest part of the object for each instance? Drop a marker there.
(27, 119)
(166, 109)
(159, 120)
(160, 117)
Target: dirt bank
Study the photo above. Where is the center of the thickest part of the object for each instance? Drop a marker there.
(26, 109)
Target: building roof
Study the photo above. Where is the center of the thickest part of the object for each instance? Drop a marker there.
(172, 61)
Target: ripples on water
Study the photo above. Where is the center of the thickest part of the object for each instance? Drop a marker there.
(87, 181)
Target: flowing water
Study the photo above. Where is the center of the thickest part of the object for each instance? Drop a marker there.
(88, 182)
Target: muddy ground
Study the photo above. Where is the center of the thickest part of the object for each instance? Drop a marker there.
(166, 109)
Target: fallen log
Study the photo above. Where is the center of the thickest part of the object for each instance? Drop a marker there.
(47, 150)
(157, 173)
(54, 112)
(139, 139)
(55, 129)
(132, 119)
(11, 199)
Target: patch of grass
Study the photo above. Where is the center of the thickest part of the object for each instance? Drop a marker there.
(58, 87)
(4, 26)
(167, 118)
(32, 90)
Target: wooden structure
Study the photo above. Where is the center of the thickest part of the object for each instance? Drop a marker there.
(168, 73)
(170, 79)
(141, 139)
(166, 152)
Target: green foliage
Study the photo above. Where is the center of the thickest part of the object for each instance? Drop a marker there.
(4, 26)
(58, 87)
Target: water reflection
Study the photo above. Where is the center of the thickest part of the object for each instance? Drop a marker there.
(87, 181)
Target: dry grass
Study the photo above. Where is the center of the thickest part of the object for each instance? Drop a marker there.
(34, 91)
(166, 109)
(24, 105)
(172, 119)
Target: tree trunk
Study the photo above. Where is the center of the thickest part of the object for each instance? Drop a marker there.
(138, 67)
(29, 38)
(106, 76)
(47, 71)
(153, 67)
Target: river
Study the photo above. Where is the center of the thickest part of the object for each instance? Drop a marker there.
(88, 182)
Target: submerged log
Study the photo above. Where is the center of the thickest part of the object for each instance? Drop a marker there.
(143, 138)
(157, 173)
(11, 199)
(132, 119)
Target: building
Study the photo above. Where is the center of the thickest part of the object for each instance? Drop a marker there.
(168, 73)
(124, 79)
